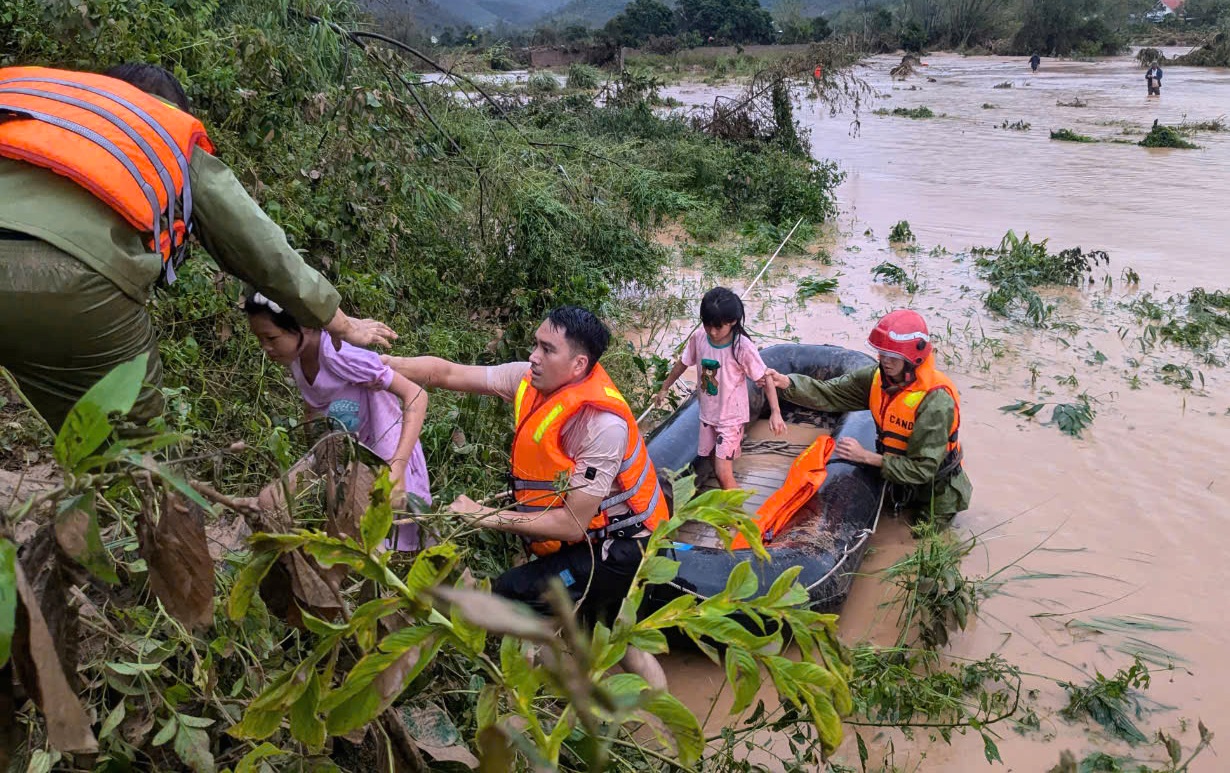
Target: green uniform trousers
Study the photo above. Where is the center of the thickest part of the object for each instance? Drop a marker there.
(63, 326)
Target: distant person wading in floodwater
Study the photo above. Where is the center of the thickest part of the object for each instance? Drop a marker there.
(1034, 61)
(1153, 81)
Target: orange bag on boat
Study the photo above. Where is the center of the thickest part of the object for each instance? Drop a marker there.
(804, 479)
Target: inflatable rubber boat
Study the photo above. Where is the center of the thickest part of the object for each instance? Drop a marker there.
(827, 536)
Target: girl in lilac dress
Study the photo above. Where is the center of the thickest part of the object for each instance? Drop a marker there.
(351, 386)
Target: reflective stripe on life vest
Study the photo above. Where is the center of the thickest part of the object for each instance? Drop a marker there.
(127, 148)
(541, 469)
(895, 414)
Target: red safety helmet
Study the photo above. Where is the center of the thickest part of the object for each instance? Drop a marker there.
(902, 333)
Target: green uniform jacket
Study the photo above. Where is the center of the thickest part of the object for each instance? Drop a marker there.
(914, 472)
(233, 228)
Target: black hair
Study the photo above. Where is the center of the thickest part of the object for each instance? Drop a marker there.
(721, 306)
(152, 79)
(253, 305)
(583, 330)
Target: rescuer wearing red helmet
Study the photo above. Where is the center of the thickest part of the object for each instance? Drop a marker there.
(916, 410)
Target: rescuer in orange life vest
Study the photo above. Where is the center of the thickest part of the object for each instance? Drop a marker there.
(102, 180)
(916, 410)
(587, 494)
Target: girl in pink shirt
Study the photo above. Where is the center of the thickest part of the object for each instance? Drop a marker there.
(351, 386)
(725, 357)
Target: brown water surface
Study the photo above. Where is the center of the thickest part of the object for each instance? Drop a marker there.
(1131, 519)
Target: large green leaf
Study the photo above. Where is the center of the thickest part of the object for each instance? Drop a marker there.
(658, 570)
(682, 724)
(431, 567)
(743, 673)
(742, 582)
(372, 665)
(401, 668)
(246, 583)
(379, 516)
(192, 748)
(251, 762)
(76, 530)
(8, 598)
(306, 726)
(87, 425)
(257, 725)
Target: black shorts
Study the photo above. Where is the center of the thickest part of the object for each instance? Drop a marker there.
(602, 584)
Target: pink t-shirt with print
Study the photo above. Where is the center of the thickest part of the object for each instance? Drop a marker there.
(721, 377)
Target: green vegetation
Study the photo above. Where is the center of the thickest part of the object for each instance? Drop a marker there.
(1210, 125)
(584, 77)
(542, 83)
(1071, 418)
(1019, 265)
(901, 233)
(364, 644)
(696, 22)
(810, 287)
(1165, 137)
(1003, 85)
(1074, 102)
(891, 273)
(1199, 320)
(1020, 126)
(1110, 700)
(1067, 135)
(912, 112)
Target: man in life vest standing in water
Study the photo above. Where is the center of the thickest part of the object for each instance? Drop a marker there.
(587, 494)
(102, 180)
(916, 410)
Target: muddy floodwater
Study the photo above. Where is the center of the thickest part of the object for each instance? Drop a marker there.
(1131, 520)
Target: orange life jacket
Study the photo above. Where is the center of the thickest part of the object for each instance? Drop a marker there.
(541, 469)
(126, 147)
(894, 413)
(806, 475)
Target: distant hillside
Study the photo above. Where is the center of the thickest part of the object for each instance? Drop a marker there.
(436, 14)
(595, 13)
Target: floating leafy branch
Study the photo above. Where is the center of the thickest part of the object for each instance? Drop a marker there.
(810, 287)
(1111, 701)
(891, 273)
(1071, 418)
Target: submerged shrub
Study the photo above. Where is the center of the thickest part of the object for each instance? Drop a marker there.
(1067, 135)
(542, 83)
(1166, 137)
(584, 76)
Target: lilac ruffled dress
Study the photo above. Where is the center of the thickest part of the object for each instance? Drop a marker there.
(345, 390)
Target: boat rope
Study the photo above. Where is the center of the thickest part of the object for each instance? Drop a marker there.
(782, 447)
(860, 539)
(742, 295)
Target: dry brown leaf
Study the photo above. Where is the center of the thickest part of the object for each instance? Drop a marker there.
(311, 589)
(53, 581)
(137, 726)
(181, 569)
(227, 537)
(38, 667)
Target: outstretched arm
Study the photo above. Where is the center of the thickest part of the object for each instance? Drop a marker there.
(439, 373)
